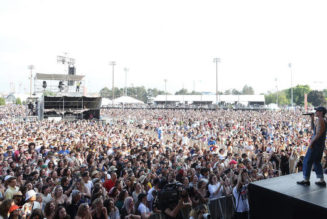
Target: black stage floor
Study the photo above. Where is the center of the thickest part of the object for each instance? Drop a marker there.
(281, 197)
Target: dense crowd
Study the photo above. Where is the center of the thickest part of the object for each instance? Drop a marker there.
(124, 166)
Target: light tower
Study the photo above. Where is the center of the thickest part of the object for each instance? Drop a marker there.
(216, 60)
(290, 66)
(31, 67)
(113, 63)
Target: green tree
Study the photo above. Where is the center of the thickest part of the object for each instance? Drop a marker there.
(154, 92)
(247, 90)
(2, 101)
(282, 99)
(195, 92)
(228, 92)
(272, 98)
(298, 94)
(316, 98)
(325, 92)
(236, 92)
(18, 101)
(49, 93)
(105, 92)
(182, 91)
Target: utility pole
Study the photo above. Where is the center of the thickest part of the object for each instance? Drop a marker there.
(126, 71)
(216, 60)
(290, 66)
(31, 67)
(113, 63)
(165, 80)
(276, 91)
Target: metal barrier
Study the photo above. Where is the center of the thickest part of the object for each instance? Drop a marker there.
(222, 208)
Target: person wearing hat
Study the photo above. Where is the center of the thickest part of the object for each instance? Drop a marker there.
(316, 149)
(17, 197)
(28, 207)
(109, 183)
(12, 188)
(14, 212)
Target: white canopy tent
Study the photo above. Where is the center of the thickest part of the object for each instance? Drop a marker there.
(106, 102)
(127, 100)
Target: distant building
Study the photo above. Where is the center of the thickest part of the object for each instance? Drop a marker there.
(243, 100)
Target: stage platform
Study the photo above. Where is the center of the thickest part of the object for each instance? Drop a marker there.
(281, 197)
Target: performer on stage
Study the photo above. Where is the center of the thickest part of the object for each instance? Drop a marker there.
(78, 84)
(316, 149)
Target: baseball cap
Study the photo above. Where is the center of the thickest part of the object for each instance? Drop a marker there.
(321, 108)
(9, 177)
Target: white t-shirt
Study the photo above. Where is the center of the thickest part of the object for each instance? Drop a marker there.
(89, 185)
(212, 189)
(143, 209)
(241, 200)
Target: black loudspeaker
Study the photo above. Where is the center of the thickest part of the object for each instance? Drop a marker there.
(71, 71)
(44, 84)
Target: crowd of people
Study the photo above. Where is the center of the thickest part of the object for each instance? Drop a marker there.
(130, 164)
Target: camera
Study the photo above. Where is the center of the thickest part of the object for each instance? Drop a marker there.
(206, 216)
(171, 194)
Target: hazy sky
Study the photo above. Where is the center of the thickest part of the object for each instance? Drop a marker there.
(171, 39)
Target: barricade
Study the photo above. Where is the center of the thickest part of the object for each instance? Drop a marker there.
(222, 208)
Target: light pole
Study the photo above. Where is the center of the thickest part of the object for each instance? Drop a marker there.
(216, 60)
(165, 80)
(276, 91)
(126, 70)
(31, 67)
(113, 63)
(290, 66)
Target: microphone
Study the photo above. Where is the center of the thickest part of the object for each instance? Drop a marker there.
(307, 114)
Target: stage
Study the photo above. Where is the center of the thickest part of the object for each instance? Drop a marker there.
(281, 197)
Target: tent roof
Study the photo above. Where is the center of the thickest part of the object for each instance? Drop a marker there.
(58, 77)
(127, 99)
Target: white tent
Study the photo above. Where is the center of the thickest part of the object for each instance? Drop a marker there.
(127, 100)
(106, 102)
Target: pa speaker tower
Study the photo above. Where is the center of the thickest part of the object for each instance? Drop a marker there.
(71, 71)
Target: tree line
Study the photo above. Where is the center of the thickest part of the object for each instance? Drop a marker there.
(143, 94)
(284, 97)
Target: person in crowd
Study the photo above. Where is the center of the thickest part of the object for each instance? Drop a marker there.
(83, 212)
(112, 210)
(100, 159)
(12, 188)
(59, 197)
(240, 194)
(142, 206)
(61, 213)
(5, 207)
(37, 214)
(49, 210)
(128, 210)
(75, 203)
(200, 212)
(99, 211)
(30, 203)
(14, 212)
